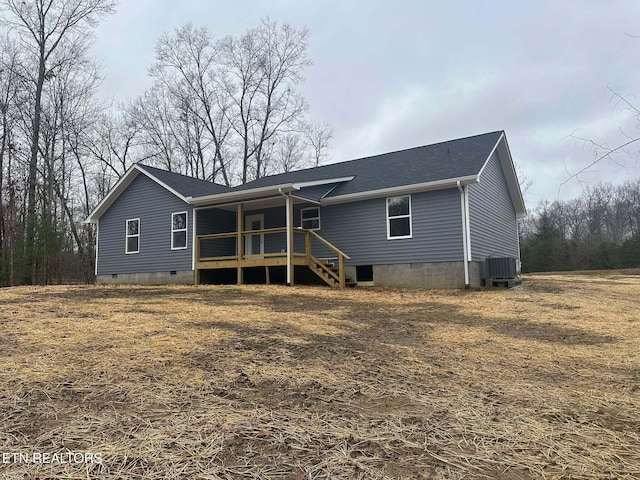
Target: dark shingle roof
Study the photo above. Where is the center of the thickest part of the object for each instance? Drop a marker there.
(440, 161)
(185, 186)
(463, 157)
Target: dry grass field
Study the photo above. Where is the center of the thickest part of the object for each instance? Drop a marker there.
(313, 383)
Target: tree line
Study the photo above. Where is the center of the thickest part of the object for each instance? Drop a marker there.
(598, 230)
(226, 110)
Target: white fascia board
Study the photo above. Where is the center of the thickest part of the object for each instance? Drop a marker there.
(509, 169)
(114, 193)
(522, 213)
(401, 190)
(489, 156)
(231, 197)
(323, 182)
(238, 202)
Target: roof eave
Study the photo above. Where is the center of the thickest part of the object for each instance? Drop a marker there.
(236, 196)
(401, 190)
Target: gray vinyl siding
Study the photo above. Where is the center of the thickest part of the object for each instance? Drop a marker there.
(359, 229)
(153, 205)
(493, 223)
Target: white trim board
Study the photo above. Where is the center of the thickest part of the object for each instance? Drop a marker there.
(400, 190)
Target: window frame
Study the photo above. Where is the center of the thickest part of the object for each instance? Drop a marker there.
(185, 230)
(127, 236)
(389, 218)
(302, 219)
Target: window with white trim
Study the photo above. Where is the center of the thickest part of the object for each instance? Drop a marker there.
(399, 217)
(310, 218)
(132, 243)
(179, 231)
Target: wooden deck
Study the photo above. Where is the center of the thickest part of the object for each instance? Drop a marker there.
(334, 275)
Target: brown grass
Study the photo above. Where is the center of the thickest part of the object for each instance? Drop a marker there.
(314, 383)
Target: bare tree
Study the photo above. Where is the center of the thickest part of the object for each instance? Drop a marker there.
(318, 137)
(622, 155)
(290, 154)
(9, 87)
(114, 142)
(51, 32)
(187, 67)
(233, 100)
(155, 114)
(282, 60)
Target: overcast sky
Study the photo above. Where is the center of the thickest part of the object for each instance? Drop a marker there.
(389, 75)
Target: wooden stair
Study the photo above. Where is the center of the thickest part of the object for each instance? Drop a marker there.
(329, 273)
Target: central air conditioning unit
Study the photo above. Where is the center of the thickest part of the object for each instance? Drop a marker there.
(500, 271)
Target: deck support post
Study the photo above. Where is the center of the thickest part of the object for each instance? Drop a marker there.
(289, 214)
(240, 242)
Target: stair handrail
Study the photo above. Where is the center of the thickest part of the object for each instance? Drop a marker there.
(326, 242)
(341, 255)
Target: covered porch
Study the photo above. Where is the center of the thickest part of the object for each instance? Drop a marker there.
(264, 233)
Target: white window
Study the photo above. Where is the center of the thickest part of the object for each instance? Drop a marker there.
(132, 244)
(310, 218)
(179, 231)
(399, 217)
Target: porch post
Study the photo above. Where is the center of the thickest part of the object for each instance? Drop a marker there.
(289, 214)
(240, 242)
(195, 247)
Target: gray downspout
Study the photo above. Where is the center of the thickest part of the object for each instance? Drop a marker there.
(97, 245)
(465, 250)
(468, 217)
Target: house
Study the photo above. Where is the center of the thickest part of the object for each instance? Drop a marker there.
(422, 217)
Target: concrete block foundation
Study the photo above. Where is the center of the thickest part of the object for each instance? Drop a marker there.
(425, 275)
(183, 277)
